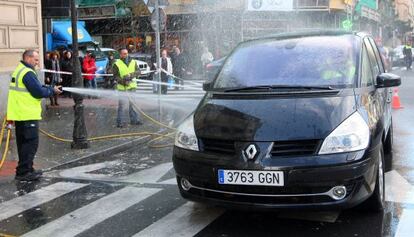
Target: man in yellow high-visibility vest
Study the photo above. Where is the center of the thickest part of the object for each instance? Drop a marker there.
(24, 108)
(125, 69)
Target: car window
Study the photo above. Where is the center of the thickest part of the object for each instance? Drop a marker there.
(374, 64)
(99, 55)
(377, 55)
(308, 61)
(366, 71)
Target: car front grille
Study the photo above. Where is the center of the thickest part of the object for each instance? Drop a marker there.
(295, 148)
(280, 148)
(218, 146)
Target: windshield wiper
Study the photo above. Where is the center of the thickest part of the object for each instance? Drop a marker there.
(276, 87)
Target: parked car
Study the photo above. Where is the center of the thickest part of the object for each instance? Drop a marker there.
(143, 65)
(108, 51)
(213, 68)
(397, 56)
(291, 121)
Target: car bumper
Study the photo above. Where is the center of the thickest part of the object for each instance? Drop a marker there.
(304, 187)
(145, 75)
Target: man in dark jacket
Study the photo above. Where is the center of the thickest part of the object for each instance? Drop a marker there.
(178, 61)
(24, 108)
(408, 55)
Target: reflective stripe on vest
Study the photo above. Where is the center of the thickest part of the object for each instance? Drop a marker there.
(125, 70)
(21, 105)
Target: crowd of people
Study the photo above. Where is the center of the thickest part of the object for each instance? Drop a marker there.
(58, 68)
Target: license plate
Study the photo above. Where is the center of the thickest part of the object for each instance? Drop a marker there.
(251, 177)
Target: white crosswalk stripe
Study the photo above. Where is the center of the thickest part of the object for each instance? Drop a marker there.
(36, 198)
(186, 220)
(86, 217)
(194, 89)
(405, 226)
(398, 189)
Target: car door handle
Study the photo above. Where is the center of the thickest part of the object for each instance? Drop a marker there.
(389, 97)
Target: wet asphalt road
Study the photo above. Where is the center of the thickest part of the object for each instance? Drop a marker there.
(133, 193)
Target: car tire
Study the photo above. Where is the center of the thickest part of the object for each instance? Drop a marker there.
(388, 154)
(376, 202)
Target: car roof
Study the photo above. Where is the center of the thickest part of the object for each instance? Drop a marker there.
(107, 49)
(311, 33)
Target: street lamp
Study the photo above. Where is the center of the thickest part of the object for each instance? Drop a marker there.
(80, 134)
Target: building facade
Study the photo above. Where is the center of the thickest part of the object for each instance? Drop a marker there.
(20, 29)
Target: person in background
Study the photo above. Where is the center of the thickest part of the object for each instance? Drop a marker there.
(47, 58)
(179, 63)
(124, 70)
(67, 66)
(206, 57)
(109, 80)
(167, 66)
(89, 67)
(408, 55)
(24, 107)
(53, 78)
(384, 53)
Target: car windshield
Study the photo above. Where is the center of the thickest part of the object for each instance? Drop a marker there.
(309, 61)
(99, 55)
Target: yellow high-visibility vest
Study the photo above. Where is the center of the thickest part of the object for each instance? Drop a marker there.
(21, 105)
(125, 70)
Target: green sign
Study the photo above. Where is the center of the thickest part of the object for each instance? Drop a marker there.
(347, 24)
(368, 3)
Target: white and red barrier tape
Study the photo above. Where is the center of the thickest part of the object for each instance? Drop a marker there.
(83, 74)
(110, 75)
(138, 80)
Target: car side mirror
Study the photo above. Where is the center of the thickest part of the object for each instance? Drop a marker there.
(207, 85)
(388, 80)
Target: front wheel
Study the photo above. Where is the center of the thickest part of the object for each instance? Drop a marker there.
(377, 200)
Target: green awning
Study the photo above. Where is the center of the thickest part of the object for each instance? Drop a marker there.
(90, 3)
(368, 3)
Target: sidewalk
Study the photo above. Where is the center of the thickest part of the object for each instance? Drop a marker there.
(100, 120)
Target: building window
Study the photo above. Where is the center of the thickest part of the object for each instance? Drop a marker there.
(313, 3)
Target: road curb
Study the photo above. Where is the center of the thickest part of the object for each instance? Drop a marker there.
(106, 152)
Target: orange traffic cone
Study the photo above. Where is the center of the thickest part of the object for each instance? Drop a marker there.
(396, 103)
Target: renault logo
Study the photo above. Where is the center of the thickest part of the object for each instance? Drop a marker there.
(250, 152)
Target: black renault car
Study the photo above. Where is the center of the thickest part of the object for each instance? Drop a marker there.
(291, 121)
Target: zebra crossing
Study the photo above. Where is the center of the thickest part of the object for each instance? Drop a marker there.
(107, 206)
(144, 208)
(192, 88)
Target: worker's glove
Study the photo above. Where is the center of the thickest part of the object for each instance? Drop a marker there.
(127, 80)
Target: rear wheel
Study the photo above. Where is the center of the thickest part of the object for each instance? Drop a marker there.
(377, 200)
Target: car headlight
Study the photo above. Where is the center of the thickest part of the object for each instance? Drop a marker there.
(351, 135)
(185, 136)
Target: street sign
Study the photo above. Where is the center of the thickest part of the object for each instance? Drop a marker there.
(161, 3)
(370, 14)
(162, 20)
(347, 24)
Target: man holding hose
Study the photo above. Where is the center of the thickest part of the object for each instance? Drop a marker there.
(24, 107)
(125, 69)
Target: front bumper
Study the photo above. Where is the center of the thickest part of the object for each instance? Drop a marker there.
(307, 185)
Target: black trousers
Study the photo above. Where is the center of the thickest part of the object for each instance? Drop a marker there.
(27, 139)
(164, 88)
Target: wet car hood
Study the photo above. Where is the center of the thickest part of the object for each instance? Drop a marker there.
(272, 119)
